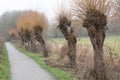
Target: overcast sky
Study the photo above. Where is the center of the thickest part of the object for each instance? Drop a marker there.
(46, 6)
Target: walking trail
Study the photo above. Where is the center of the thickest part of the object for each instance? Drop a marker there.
(23, 67)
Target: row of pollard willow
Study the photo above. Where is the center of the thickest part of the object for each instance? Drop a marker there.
(94, 14)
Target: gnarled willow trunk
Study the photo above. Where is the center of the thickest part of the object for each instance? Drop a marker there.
(29, 38)
(38, 36)
(72, 50)
(71, 40)
(22, 39)
(42, 42)
(95, 23)
(97, 40)
(31, 44)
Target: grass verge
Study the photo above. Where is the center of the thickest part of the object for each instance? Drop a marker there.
(59, 74)
(4, 65)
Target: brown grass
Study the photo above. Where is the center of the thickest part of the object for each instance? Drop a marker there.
(58, 58)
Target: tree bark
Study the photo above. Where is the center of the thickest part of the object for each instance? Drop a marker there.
(71, 40)
(97, 38)
(72, 51)
(31, 45)
(43, 45)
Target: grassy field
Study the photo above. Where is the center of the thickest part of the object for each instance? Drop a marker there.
(59, 74)
(86, 40)
(4, 65)
(112, 41)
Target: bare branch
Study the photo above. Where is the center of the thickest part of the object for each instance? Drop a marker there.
(117, 6)
(84, 7)
(62, 12)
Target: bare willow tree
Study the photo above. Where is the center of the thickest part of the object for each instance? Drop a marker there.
(94, 14)
(24, 26)
(64, 18)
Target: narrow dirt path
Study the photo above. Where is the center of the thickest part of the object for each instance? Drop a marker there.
(24, 68)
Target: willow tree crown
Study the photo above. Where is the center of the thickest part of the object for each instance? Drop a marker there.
(94, 10)
(31, 19)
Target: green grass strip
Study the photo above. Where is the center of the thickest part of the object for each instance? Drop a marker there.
(4, 65)
(58, 74)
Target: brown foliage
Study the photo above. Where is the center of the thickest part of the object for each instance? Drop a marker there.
(12, 32)
(39, 20)
(31, 19)
(31, 23)
(28, 22)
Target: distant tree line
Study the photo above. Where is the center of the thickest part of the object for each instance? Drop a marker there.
(7, 21)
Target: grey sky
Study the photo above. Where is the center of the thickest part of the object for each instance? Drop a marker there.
(46, 6)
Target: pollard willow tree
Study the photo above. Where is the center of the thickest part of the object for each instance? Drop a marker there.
(94, 14)
(40, 24)
(13, 34)
(64, 18)
(31, 26)
(24, 26)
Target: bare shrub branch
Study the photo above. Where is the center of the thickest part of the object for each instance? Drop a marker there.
(117, 6)
(62, 12)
